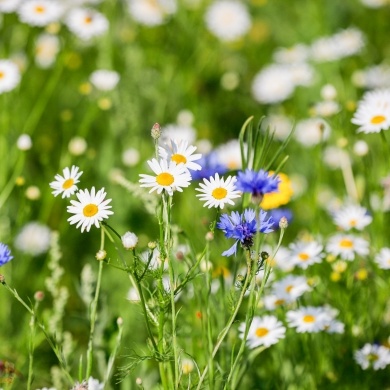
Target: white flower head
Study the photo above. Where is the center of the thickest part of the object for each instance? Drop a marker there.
(373, 112)
(307, 319)
(347, 246)
(303, 254)
(9, 75)
(216, 191)
(90, 209)
(169, 176)
(312, 131)
(40, 12)
(382, 258)
(266, 331)
(24, 142)
(33, 239)
(292, 55)
(352, 216)
(129, 240)
(373, 356)
(9, 6)
(104, 80)
(290, 288)
(228, 20)
(229, 154)
(279, 125)
(180, 153)
(94, 384)
(66, 184)
(47, 47)
(151, 12)
(178, 132)
(86, 23)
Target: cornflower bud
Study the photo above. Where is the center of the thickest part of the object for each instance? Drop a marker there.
(283, 223)
(156, 131)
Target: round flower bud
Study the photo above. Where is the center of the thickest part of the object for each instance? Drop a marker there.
(209, 236)
(119, 321)
(39, 296)
(283, 223)
(101, 255)
(360, 148)
(152, 245)
(156, 131)
(129, 240)
(24, 142)
(2, 279)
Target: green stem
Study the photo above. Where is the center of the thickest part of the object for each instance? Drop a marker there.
(232, 318)
(111, 360)
(32, 346)
(94, 311)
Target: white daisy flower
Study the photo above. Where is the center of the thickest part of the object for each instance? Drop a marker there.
(312, 131)
(352, 216)
(290, 288)
(66, 184)
(382, 258)
(292, 55)
(33, 239)
(373, 112)
(273, 84)
(372, 77)
(154, 259)
(307, 319)
(272, 302)
(217, 191)
(326, 108)
(151, 12)
(86, 23)
(263, 331)
(91, 209)
(229, 154)
(279, 125)
(228, 20)
(129, 240)
(9, 6)
(169, 176)
(303, 254)
(178, 132)
(373, 356)
(104, 80)
(40, 12)
(47, 47)
(331, 325)
(347, 246)
(180, 153)
(9, 76)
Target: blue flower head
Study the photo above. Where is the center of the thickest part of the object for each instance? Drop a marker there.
(243, 227)
(5, 254)
(210, 166)
(257, 183)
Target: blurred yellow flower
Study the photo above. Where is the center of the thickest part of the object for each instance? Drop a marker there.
(276, 199)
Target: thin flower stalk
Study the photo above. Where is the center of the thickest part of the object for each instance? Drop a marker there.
(32, 346)
(94, 311)
(225, 331)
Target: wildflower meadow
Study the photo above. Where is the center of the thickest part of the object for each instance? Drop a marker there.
(194, 194)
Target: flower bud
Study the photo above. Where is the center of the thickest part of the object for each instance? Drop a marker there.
(101, 255)
(129, 240)
(156, 131)
(283, 223)
(39, 296)
(152, 245)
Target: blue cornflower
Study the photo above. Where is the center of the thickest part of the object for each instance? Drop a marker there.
(5, 254)
(257, 183)
(210, 166)
(243, 227)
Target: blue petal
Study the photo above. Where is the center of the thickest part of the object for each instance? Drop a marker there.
(232, 250)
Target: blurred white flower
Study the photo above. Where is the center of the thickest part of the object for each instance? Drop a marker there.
(229, 154)
(279, 125)
(8, 6)
(230, 81)
(77, 146)
(373, 355)
(334, 157)
(151, 12)
(24, 142)
(374, 3)
(177, 132)
(326, 108)
(185, 118)
(86, 23)
(47, 47)
(104, 80)
(40, 12)
(294, 54)
(312, 131)
(377, 76)
(347, 246)
(328, 92)
(130, 157)
(351, 216)
(9, 76)
(382, 258)
(33, 239)
(129, 240)
(94, 384)
(228, 20)
(33, 193)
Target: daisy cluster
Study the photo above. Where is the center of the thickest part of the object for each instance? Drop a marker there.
(91, 208)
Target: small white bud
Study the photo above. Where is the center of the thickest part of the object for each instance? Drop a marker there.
(129, 240)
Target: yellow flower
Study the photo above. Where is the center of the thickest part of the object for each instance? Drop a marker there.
(280, 198)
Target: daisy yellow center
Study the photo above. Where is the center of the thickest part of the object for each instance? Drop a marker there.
(308, 318)
(88, 20)
(90, 210)
(1, 74)
(377, 119)
(219, 193)
(303, 256)
(352, 222)
(373, 357)
(178, 158)
(165, 179)
(67, 184)
(261, 332)
(39, 9)
(289, 288)
(279, 302)
(346, 243)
